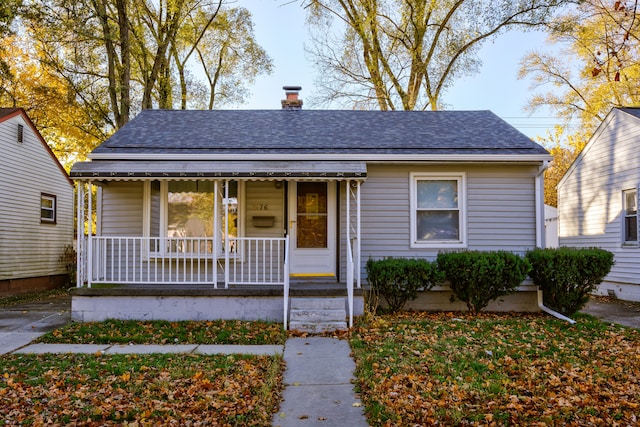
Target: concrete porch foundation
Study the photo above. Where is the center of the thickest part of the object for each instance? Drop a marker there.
(174, 304)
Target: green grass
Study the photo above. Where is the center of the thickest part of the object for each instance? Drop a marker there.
(459, 369)
(164, 332)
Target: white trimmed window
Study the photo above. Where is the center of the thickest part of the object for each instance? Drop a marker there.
(47, 208)
(630, 201)
(438, 210)
(186, 209)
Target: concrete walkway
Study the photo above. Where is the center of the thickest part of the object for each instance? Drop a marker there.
(318, 385)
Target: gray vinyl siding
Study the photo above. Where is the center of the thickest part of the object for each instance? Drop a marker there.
(122, 209)
(29, 248)
(263, 199)
(590, 195)
(500, 209)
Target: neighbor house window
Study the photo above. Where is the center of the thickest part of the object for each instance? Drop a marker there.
(437, 210)
(630, 200)
(47, 208)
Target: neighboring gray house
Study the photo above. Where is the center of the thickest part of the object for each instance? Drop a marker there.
(36, 208)
(598, 200)
(280, 201)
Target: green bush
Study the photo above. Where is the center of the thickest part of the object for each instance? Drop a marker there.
(479, 277)
(568, 276)
(398, 280)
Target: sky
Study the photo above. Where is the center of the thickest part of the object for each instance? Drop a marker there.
(280, 29)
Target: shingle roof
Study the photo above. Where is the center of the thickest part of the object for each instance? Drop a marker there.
(633, 111)
(7, 111)
(317, 132)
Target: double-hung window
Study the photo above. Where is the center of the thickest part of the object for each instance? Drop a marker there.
(437, 210)
(47, 208)
(630, 201)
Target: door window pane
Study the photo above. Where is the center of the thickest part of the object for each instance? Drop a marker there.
(311, 231)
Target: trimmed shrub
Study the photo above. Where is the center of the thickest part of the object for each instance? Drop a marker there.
(568, 276)
(398, 280)
(477, 278)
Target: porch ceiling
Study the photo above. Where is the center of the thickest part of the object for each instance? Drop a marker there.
(125, 170)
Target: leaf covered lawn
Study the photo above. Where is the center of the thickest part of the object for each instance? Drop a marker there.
(139, 390)
(164, 332)
(497, 369)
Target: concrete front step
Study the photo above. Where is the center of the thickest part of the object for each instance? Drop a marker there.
(318, 303)
(318, 314)
(318, 327)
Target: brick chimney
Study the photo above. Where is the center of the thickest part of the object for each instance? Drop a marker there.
(292, 102)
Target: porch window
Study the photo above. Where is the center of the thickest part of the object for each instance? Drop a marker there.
(190, 209)
(47, 208)
(630, 200)
(185, 210)
(437, 210)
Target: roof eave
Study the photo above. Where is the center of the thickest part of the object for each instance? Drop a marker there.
(536, 157)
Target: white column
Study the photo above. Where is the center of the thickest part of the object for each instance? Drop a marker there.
(80, 259)
(226, 233)
(89, 233)
(216, 234)
(358, 278)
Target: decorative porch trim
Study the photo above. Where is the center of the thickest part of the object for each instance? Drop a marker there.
(250, 170)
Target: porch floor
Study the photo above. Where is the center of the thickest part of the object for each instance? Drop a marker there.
(296, 289)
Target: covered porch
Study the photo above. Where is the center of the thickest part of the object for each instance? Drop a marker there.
(247, 234)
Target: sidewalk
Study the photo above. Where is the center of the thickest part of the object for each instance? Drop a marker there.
(318, 385)
(204, 349)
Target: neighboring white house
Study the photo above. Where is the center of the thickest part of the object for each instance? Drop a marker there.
(317, 193)
(36, 208)
(598, 200)
(551, 226)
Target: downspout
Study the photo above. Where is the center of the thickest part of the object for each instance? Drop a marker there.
(540, 234)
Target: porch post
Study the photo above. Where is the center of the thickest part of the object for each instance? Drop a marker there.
(358, 237)
(226, 233)
(216, 234)
(89, 234)
(80, 234)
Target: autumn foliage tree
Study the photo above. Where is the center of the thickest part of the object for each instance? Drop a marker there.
(8, 10)
(121, 56)
(403, 54)
(49, 102)
(594, 67)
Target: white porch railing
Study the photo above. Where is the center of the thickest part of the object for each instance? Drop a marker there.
(184, 260)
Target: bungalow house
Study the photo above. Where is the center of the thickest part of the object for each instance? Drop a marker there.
(36, 209)
(254, 207)
(598, 200)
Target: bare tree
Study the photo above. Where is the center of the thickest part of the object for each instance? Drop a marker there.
(597, 66)
(403, 54)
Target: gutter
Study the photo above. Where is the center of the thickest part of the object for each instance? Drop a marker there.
(539, 194)
(551, 312)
